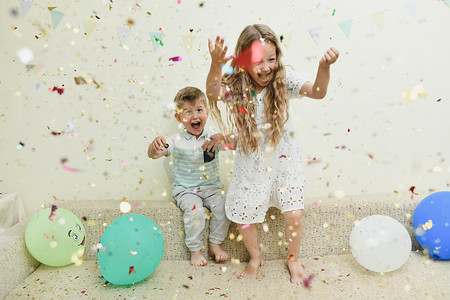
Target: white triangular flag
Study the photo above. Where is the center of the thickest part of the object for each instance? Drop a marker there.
(25, 6)
(156, 39)
(286, 38)
(315, 34)
(123, 34)
(89, 25)
(188, 42)
(411, 7)
(56, 18)
(346, 27)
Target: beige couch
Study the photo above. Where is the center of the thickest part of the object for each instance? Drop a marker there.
(324, 253)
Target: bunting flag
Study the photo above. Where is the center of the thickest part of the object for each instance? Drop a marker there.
(56, 18)
(89, 26)
(447, 2)
(378, 17)
(123, 34)
(156, 39)
(286, 39)
(315, 34)
(25, 6)
(411, 7)
(346, 27)
(188, 42)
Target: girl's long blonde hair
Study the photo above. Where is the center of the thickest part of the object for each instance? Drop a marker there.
(239, 96)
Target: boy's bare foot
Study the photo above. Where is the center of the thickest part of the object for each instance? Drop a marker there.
(298, 276)
(197, 259)
(251, 270)
(216, 252)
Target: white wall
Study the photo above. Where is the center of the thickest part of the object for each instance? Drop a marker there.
(392, 144)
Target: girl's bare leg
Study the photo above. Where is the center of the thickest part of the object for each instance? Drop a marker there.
(250, 238)
(294, 232)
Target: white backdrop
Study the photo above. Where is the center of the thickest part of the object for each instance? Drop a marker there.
(383, 126)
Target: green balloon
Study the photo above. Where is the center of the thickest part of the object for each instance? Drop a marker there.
(55, 237)
(132, 247)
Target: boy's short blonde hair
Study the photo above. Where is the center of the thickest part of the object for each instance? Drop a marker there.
(189, 94)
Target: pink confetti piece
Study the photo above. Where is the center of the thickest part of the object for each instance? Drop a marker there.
(315, 203)
(227, 146)
(70, 169)
(54, 207)
(176, 58)
(245, 226)
(282, 156)
(307, 281)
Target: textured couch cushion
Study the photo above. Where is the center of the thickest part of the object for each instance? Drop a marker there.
(327, 224)
(336, 277)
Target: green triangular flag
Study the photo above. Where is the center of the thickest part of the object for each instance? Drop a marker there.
(447, 2)
(379, 18)
(315, 34)
(188, 42)
(56, 18)
(411, 7)
(346, 27)
(123, 34)
(25, 6)
(156, 39)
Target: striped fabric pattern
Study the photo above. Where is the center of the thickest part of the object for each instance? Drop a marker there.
(189, 169)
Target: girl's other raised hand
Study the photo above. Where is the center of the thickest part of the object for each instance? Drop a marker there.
(218, 51)
(329, 58)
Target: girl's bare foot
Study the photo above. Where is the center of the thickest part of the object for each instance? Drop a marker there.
(197, 259)
(251, 270)
(216, 252)
(298, 276)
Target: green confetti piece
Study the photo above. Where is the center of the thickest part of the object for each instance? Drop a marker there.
(334, 10)
(159, 41)
(253, 93)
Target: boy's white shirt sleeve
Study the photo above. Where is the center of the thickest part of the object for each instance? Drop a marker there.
(294, 81)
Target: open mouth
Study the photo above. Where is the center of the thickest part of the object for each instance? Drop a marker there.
(196, 125)
(265, 77)
(82, 243)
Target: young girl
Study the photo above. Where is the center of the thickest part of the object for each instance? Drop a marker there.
(268, 164)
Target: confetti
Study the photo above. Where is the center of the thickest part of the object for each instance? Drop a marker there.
(25, 55)
(54, 207)
(245, 226)
(131, 270)
(282, 156)
(250, 56)
(307, 281)
(227, 146)
(80, 80)
(242, 110)
(70, 169)
(59, 90)
(334, 10)
(20, 146)
(176, 58)
(193, 208)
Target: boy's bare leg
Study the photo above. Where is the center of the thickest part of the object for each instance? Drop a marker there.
(197, 259)
(250, 238)
(294, 232)
(216, 251)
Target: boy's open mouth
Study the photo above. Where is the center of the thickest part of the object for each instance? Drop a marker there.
(196, 125)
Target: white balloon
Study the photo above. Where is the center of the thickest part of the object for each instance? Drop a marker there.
(380, 243)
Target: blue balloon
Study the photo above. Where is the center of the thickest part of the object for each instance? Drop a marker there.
(132, 247)
(431, 223)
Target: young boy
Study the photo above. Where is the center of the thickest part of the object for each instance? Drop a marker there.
(195, 175)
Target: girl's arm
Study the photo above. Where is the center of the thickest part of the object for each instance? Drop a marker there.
(214, 89)
(318, 89)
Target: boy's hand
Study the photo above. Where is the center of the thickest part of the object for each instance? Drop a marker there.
(329, 58)
(159, 143)
(212, 143)
(218, 52)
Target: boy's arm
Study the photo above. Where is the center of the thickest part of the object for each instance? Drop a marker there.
(318, 89)
(214, 88)
(158, 148)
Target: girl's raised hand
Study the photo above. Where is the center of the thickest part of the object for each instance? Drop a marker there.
(219, 51)
(330, 57)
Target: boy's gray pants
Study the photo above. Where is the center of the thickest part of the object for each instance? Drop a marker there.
(192, 201)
